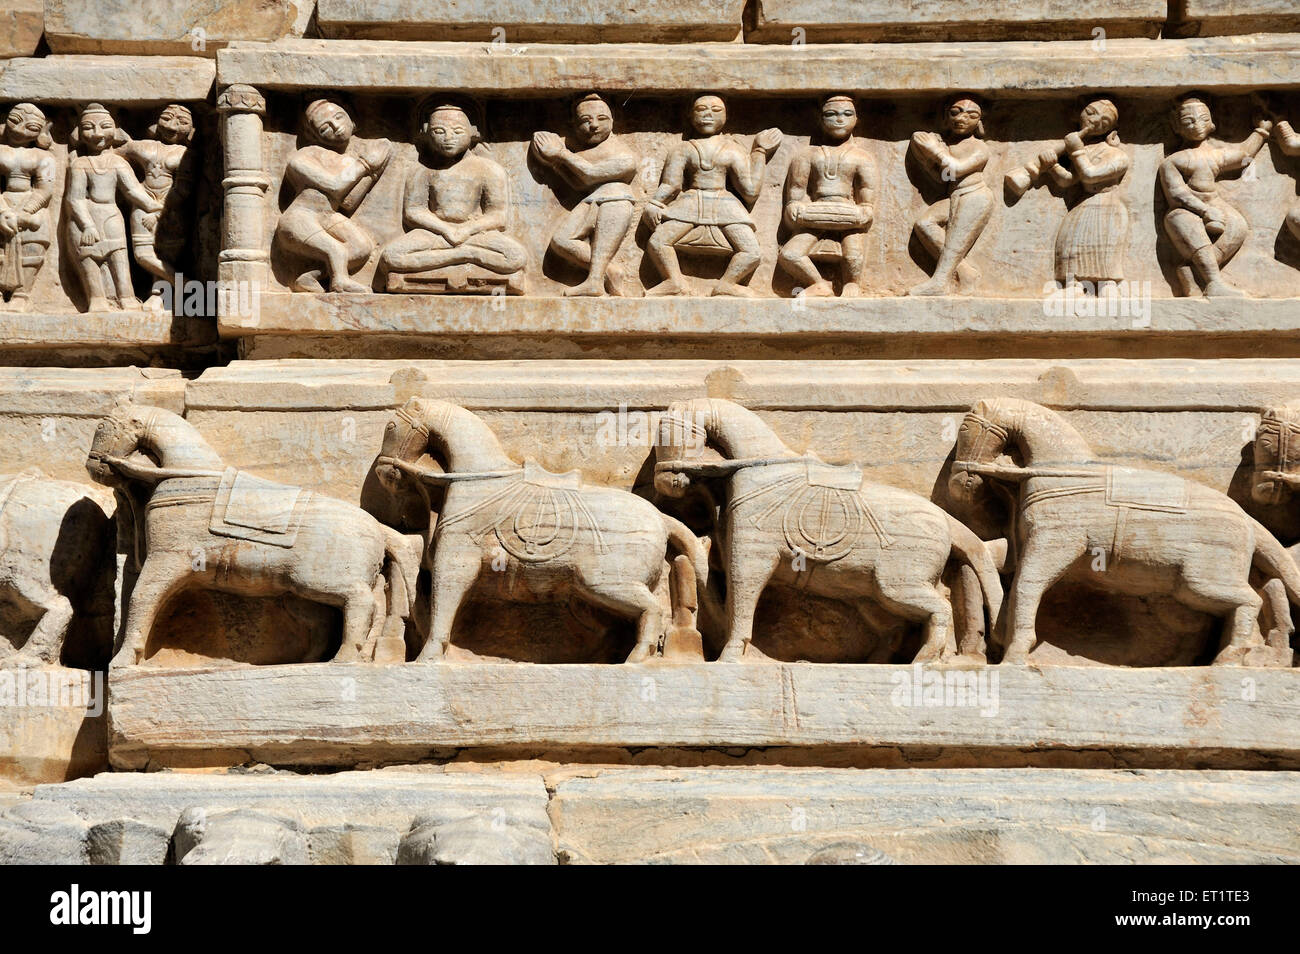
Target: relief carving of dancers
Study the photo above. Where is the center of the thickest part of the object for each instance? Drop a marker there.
(1288, 140)
(96, 231)
(1205, 230)
(603, 170)
(548, 536)
(1092, 239)
(829, 191)
(455, 211)
(694, 209)
(1162, 535)
(27, 176)
(793, 520)
(949, 229)
(167, 169)
(329, 184)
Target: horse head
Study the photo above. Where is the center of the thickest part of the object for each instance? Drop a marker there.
(117, 436)
(681, 436)
(1277, 454)
(406, 439)
(981, 439)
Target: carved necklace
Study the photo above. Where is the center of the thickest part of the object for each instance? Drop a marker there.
(706, 164)
(830, 169)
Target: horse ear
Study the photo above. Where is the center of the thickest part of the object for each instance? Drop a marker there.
(407, 383)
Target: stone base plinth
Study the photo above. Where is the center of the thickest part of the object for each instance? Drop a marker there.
(341, 714)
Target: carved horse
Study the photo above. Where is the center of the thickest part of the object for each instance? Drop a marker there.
(550, 535)
(208, 525)
(1160, 534)
(792, 519)
(56, 545)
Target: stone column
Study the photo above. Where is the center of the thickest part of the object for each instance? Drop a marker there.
(244, 254)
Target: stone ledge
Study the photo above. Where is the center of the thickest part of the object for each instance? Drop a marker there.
(1019, 69)
(917, 816)
(830, 21)
(1223, 17)
(596, 384)
(532, 20)
(21, 24)
(178, 27)
(338, 714)
(111, 331)
(122, 80)
(481, 326)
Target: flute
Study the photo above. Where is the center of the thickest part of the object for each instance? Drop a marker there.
(1018, 181)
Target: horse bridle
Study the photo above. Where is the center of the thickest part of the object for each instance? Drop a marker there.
(988, 429)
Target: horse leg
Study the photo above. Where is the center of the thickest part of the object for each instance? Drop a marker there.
(1042, 563)
(1234, 600)
(45, 644)
(923, 601)
(454, 571)
(885, 626)
(631, 600)
(161, 575)
(358, 620)
(746, 579)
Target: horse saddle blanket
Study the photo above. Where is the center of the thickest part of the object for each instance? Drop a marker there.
(539, 476)
(822, 513)
(1145, 490)
(258, 510)
(834, 476)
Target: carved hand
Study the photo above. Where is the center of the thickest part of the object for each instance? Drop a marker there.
(1048, 157)
(768, 141)
(8, 224)
(1073, 141)
(90, 237)
(547, 145)
(654, 213)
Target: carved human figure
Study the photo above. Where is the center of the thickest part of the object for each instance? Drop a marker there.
(948, 230)
(97, 175)
(329, 183)
(163, 159)
(27, 174)
(828, 194)
(1093, 237)
(603, 170)
(1205, 230)
(694, 210)
(1288, 140)
(455, 210)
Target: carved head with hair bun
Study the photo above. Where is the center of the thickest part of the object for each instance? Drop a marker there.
(448, 126)
(96, 130)
(327, 123)
(1192, 118)
(175, 124)
(593, 119)
(26, 125)
(964, 116)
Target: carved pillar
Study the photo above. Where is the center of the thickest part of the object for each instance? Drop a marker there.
(244, 254)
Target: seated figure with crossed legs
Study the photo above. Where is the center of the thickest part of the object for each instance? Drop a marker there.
(455, 212)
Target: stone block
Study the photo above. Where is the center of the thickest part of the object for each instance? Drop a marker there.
(169, 27)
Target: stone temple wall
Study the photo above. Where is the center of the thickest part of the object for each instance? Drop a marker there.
(551, 432)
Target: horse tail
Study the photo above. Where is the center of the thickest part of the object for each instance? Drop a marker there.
(1274, 560)
(680, 536)
(401, 571)
(972, 551)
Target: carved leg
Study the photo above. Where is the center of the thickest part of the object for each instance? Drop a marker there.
(635, 600)
(121, 271)
(1204, 588)
(662, 252)
(1281, 625)
(1043, 562)
(854, 265)
(455, 568)
(743, 263)
(358, 619)
(746, 579)
(794, 259)
(161, 576)
(613, 219)
(45, 644)
(918, 600)
(93, 280)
